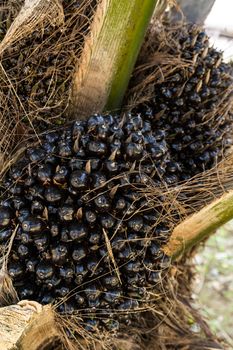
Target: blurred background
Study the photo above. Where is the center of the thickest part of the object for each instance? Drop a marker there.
(219, 24)
(214, 282)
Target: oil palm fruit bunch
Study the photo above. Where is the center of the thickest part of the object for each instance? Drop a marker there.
(83, 229)
(193, 105)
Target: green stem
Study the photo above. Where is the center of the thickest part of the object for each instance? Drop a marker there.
(110, 54)
(200, 226)
(136, 19)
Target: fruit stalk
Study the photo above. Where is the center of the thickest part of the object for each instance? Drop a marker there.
(26, 326)
(200, 226)
(109, 55)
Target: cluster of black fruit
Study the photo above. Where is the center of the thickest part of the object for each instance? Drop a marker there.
(193, 104)
(44, 61)
(83, 229)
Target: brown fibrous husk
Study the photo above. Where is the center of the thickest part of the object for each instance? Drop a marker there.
(27, 59)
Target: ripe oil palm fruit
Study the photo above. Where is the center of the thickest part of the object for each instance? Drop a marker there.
(193, 104)
(72, 197)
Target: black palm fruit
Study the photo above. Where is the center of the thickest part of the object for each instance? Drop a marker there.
(73, 207)
(192, 104)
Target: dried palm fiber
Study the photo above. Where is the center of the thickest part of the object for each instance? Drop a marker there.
(9, 10)
(32, 13)
(38, 54)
